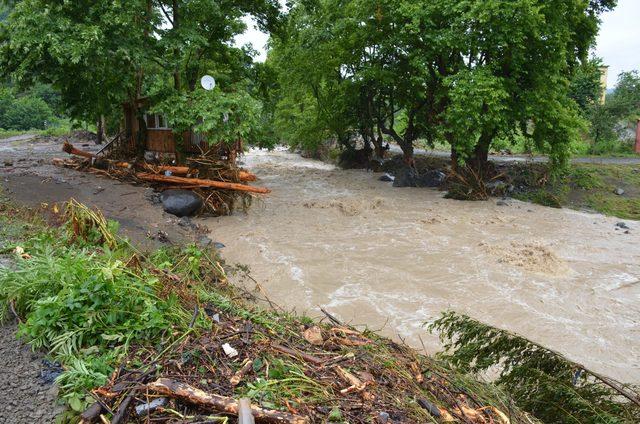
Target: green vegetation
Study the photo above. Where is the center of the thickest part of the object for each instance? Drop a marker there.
(581, 186)
(541, 381)
(37, 109)
(459, 73)
(101, 54)
(612, 125)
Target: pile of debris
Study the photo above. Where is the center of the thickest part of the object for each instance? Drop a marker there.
(217, 183)
(287, 372)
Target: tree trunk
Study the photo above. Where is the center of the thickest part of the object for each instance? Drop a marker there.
(407, 153)
(101, 136)
(480, 159)
(454, 159)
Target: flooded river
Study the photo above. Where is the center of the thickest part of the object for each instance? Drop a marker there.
(393, 259)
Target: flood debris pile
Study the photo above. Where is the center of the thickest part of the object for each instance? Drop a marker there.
(164, 337)
(290, 374)
(218, 183)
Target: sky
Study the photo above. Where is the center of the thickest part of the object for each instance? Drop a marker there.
(618, 43)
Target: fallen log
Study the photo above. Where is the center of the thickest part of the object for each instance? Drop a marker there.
(193, 395)
(145, 176)
(68, 148)
(242, 175)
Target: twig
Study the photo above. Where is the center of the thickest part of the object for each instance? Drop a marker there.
(333, 319)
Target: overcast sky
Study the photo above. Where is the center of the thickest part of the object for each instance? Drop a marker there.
(619, 40)
(618, 43)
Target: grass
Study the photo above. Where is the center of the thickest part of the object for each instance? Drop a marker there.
(104, 311)
(582, 186)
(60, 128)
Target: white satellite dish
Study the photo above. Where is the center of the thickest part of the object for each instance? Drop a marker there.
(208, 82)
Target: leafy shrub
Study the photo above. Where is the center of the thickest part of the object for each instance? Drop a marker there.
(84, 303)
(26, 113)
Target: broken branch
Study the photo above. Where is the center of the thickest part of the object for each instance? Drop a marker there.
(201, 183)
(219, 403)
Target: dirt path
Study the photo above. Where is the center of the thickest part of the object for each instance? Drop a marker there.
(28, 394)
(28, 176)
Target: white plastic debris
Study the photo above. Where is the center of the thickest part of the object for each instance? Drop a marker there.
(151, 406)
(230, 351)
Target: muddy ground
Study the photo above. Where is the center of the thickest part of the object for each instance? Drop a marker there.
(28, 177)
(28, 393)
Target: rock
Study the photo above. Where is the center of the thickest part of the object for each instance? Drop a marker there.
(218, 245)
(185, 222)
(619, 191)
(153, 196)
(181, 202)
(8, 163)
(503, 202)
(204, 241)
(50, 371)
(383, 417)
(406, 177)
(387, 178)
(623, 225)
(431, 178)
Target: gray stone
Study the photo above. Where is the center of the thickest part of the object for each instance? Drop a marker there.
(619, 191)
(218, 245)
(181, 202)
(623, 225)
(185, 222)
(406, 177)
(387, 178)
(431, 178)
(503, 202)
(204, 241)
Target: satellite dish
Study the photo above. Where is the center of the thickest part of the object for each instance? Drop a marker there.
(208, 82)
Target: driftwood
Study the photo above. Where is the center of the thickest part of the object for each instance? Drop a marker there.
(91, 414)
(295, 353)
(145, 176)
(193, 395)
(237, 377)
(185, 170)
(68, 148)
(244, 176)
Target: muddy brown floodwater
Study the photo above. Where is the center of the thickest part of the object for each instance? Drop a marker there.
(393, 259)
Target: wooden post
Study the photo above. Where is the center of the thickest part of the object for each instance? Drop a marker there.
(638, 137)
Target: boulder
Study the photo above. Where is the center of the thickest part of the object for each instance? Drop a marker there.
(431, 178)
(181, 202)
(387, 178)
(623, 225)
(619, 191)
(406, 177)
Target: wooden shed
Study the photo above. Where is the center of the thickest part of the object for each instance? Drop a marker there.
(160, 138)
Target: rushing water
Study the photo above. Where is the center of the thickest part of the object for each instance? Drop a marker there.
(393, 259)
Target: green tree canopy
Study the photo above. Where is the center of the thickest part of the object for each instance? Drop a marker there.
(100, 54)
(462, 71)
